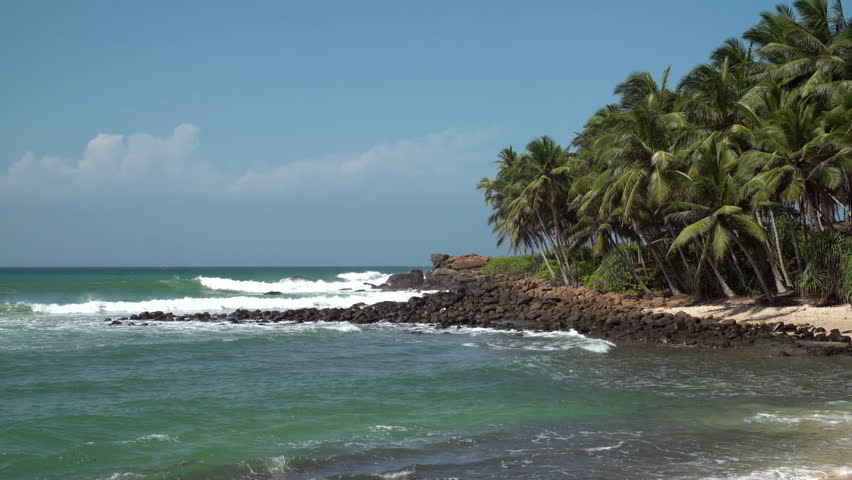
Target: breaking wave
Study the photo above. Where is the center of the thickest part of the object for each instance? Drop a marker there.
(348, 281)
(216, 304)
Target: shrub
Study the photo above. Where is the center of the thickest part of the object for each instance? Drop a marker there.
(528, 264)
(827, 273)
(613, 275)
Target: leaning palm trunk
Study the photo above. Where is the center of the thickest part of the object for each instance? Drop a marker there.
(560, 236)
(541, 250)
(662, 267)
(672, 285)
(554, 247)
(726, 289)
(780, 287)
(751, 260)
(779, 250)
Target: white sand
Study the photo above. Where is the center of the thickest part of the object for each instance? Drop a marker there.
(839, 317)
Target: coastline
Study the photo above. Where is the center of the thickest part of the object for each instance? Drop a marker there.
(458, 294)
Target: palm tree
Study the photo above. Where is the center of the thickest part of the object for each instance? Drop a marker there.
(807, 47)
(717, 210)
(543, 174)
(634, 144)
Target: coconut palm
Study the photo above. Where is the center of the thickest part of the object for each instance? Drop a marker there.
(807, 47)
(718, 212)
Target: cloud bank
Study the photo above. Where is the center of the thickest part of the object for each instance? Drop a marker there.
(136, 162)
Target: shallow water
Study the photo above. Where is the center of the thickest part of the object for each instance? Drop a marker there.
(81, 400)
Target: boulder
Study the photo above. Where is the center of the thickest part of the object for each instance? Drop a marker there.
(437, 259)
(405, 281)
(465, 262)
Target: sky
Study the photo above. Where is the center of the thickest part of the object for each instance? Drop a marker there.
(188, 133)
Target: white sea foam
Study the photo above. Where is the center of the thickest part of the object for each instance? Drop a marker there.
(154, 437)
(387, 428)
(120, 475)
(350, 281)
(214, 304)
(826, 418)
(552, 342)
(601, 449)
(780, 473)
(513, 340)
(279, 464)
(395, 475)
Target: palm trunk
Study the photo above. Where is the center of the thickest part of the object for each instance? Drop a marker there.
(726, 289)
(672, 285)
(632, 271)
(773, 262)
(561, 236)
(780, 251)
(692, 287)
(751, 260)
(546, 261)
(642, 260)
(554, 247)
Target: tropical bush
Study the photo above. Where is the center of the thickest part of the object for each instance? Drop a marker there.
(827, 275)
(613, 275)
(527, 264)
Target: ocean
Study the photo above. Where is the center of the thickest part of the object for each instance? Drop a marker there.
(200, 401)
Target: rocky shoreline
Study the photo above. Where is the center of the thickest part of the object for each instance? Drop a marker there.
(514, 302)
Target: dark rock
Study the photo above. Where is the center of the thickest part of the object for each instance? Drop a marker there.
(405, 281)
(438, 258)
(272, 293)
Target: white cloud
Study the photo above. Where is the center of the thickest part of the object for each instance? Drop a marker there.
(107, 159)
(141, 160)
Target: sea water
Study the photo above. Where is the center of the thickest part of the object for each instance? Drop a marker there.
(83, 400)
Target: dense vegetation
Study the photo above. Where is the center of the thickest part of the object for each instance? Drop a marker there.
(734, 181)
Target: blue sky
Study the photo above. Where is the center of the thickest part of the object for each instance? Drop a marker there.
(300, 133)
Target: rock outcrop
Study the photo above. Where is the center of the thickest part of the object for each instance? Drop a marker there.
(450, 272)
(414, 280)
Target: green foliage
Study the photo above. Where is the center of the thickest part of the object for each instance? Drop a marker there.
(613, 275)
(812, 282)
(844, 290)
(583, 269)
(827, 275)
(543, 272)
(528, 264)
(695, 179)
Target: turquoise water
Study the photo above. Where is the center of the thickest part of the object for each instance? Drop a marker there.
(81, 400)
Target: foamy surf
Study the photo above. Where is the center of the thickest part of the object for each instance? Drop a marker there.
(514, 340)
(154, 437)
(219, 304)
(785, 473)
(348, 281)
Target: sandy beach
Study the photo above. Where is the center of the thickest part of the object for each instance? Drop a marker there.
(747, 311)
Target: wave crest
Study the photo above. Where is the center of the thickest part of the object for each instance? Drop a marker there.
(348, 281)
(218, 304)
